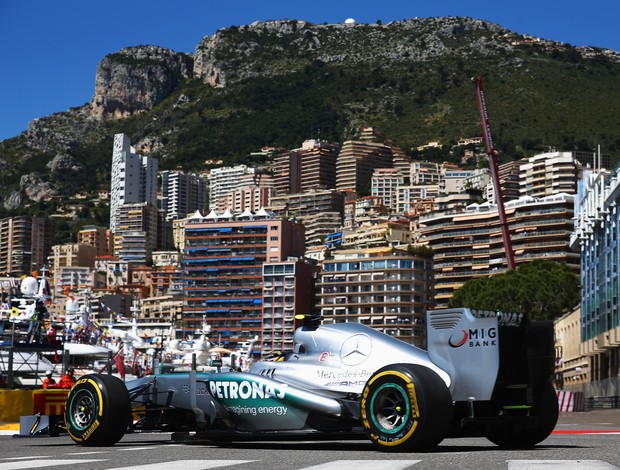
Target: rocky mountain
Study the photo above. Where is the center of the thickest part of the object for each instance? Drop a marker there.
(282, 47)
(136, 79)
(280, 82)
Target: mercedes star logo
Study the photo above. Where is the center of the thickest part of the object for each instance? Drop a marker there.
(355, 350)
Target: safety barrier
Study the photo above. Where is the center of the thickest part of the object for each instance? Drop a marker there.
(570, 401)
(16, 403)
(603, 402)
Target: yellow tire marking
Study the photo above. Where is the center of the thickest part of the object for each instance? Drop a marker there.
(415, 410)
(96, 386)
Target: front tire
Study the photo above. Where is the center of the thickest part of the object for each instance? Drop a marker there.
(406, 407)
(98, 410)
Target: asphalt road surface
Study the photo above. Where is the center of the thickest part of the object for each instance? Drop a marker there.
(581, 441)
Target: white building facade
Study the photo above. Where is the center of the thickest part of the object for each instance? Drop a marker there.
(223, 181)
(134, 177)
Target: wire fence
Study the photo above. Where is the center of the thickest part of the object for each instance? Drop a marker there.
(602, 402)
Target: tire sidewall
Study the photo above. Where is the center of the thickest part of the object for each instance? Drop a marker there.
(111, 410)
(401, 383)
(427, 414)
(85, 387)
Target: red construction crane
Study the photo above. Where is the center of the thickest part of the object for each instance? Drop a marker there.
(492, 155)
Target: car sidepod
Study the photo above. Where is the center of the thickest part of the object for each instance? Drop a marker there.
(259, 403)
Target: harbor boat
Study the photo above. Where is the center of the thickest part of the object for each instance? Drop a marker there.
(203, 354)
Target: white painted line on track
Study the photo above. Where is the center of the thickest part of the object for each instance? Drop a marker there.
(131, 449)
(186, 465)
(92, 452)
(559, 464)
(349, 464)
(58, 463)
(25, 463)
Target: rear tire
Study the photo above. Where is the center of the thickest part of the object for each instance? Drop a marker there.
(98, 410)
(405, 408)
(545, 409)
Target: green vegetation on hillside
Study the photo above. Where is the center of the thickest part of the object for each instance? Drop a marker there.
(538, 100)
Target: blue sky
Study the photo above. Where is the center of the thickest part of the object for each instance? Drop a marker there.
(49, 49)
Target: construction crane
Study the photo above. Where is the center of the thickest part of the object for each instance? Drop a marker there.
(492, 156)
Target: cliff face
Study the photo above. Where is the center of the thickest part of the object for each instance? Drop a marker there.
(136, 79)
(276, 47)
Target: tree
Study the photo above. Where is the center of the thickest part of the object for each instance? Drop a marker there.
(420, 250)
(542, 289)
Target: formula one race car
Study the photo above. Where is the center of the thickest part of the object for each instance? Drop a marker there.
(485, 373)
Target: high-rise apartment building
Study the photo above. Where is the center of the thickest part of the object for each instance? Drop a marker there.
(308, 203)
(358, 159)
(469, 244)
(224, 180)
(549, 173)
(166, 280)
(313, 166)
(379, 234)
(76, 279)
(288, 289)
(251, 198)
(318, 164)
(99, 237)
(363, 210)
(70, 255)
(388, 290)
(182, 194)
(25, 243)
(509, 175)
(159, 311)
(287, 172)
(385, 184)
(319, 226)
(136, 234)
(598, 240)
(425, 173)
(223, 271)
(178, 233)
(416, 200)
(319, 210)
(134, 178)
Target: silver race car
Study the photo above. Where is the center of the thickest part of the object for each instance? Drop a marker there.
(485, 373)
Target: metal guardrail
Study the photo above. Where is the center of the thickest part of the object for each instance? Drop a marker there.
(602, 402)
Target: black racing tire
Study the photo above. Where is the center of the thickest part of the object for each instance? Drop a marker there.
(98, 410)
(545, 408)
(406, 407)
